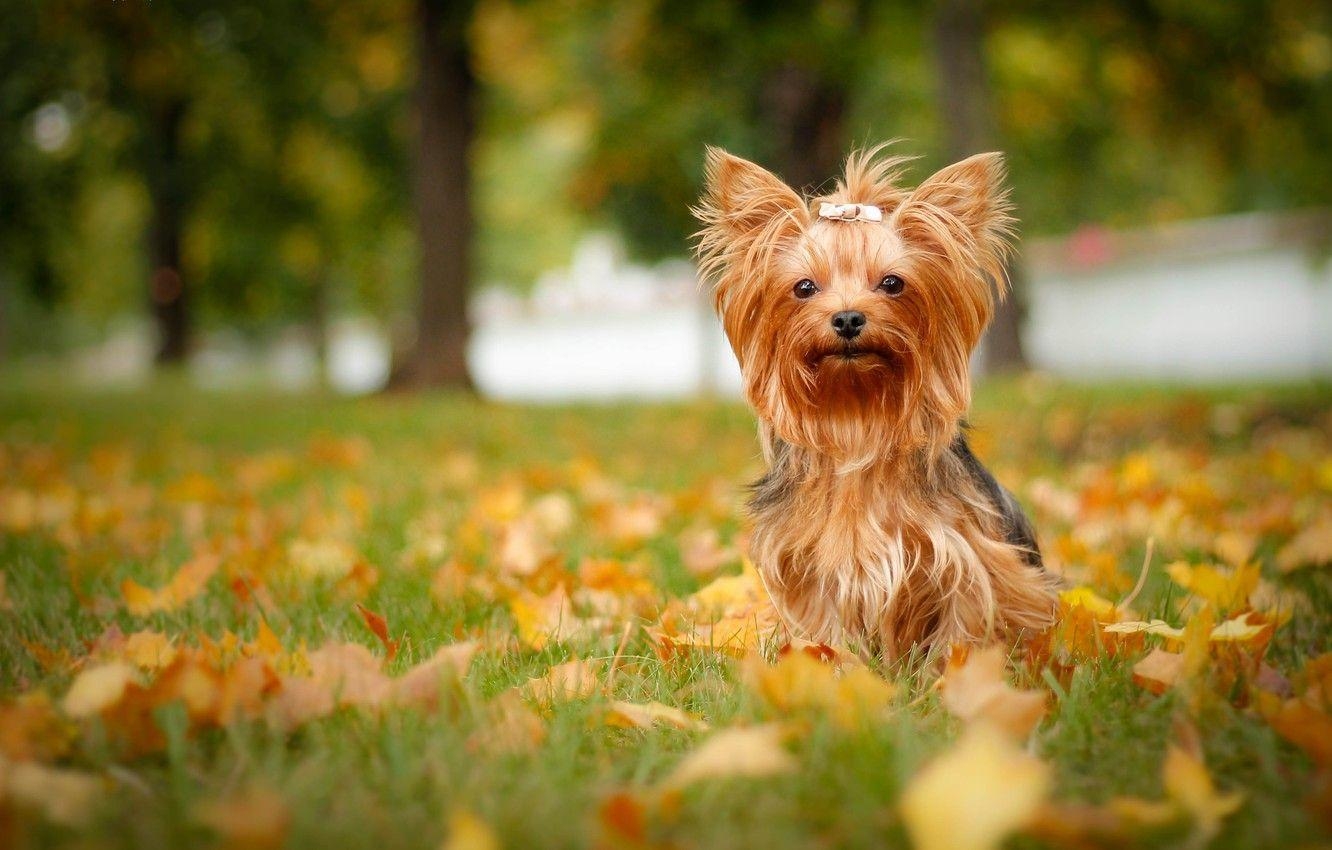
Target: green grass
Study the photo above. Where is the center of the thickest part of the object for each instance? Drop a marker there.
(359, 779)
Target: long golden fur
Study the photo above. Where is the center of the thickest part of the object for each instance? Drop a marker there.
(875, 524)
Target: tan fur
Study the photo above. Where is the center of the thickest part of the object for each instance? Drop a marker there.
(877, 533)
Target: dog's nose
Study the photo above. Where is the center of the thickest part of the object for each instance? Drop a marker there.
(848, 323)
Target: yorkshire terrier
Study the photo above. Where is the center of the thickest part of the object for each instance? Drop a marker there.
(854, 316)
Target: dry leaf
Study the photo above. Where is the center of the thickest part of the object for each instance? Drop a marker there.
(469, 832)
(974, 688)
(742, 751)
(974, 795)
(98, 688)
(1190, 786)
(379, 626)
(68, 797)
(648, 715)
(799, 682)
(1159, 671)
(563, 682)
(255, 819)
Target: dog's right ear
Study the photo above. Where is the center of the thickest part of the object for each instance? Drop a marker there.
(741, 198)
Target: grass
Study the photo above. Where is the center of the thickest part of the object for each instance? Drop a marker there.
(379, 474)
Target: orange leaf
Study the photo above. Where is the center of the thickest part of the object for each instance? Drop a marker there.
(379, 625)
(1159, 671)
(974, 689)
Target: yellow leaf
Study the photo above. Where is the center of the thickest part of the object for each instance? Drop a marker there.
(1151, 627)
(1159, 671)
(1226, 589)
(568, 681)
(974, 795)
(800, 682)
(255, 819)
(747, 751)
(975, 689)
(650, 714)
(1084, 597)
(148, 650)
(1311, 547)
(68, 797)
(1188, 783)
(468, 832)
(97, 689)
(1235, 547)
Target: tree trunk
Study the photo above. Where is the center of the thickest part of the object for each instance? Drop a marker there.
(806, 115)
(959, 33)
(445, 93)
(168, 294)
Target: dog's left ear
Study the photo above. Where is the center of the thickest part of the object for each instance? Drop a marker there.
(972, 191)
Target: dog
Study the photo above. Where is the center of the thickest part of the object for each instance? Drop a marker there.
(853, 317)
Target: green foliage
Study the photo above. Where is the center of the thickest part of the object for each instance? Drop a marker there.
(292, 172)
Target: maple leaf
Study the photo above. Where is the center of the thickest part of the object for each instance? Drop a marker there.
(702, 553)
(975, 794)
(1311, 547)
(32, 730)
(1226, 589)
(469, 832)
(648, 715)
(68, 797)
(98, 688)
(423, 685)
(1301, 724)
(742, 751)
(1190, 786)
(378, 625)
(974, 688)
(799, 681)
(1158, 671)
(188, 582)
(254, 819)
(569, 681)
(508, 726)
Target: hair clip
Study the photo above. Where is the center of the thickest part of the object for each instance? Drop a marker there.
(850, 212)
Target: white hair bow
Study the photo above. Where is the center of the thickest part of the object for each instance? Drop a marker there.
(850, 212)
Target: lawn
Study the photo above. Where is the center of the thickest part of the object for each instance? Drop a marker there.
(260, 621)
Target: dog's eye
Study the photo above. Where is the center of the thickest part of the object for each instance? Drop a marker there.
(892, 284)
(805, 288)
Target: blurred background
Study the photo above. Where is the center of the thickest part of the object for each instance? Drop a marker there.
(370, 194)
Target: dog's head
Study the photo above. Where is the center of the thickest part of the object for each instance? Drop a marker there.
(854, 315)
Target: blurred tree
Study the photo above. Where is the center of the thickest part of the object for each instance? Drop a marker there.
(445, 95)
(964, 102)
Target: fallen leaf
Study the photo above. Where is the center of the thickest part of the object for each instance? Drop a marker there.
(648, 715)
(1188, 783)
(469, 832)
(97, 688)
(742, 751)
(569, 681)
(974, 688)
(423, 685)
(1301, 724)
(378, 625)
(254, 819)
(68, 797)
(850, 696)
(1158, 671)
(1311, 547)
(1226, 589)
(974, 795)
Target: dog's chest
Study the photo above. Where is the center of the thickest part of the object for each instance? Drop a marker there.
(836, 553)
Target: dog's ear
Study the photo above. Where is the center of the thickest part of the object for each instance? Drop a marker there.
(741, 198)
(972, 192)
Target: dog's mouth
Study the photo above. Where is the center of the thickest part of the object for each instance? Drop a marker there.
(851, 355)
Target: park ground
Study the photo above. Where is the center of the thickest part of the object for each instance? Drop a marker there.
(247, 620)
